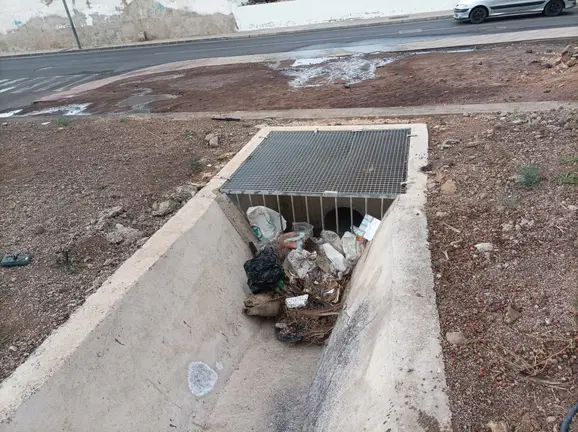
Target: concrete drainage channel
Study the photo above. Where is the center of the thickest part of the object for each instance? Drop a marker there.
(163, 344)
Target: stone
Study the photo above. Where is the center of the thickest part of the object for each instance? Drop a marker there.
(549, 63)
(551, 419)
(184, 193)
(507, 227)
(512, 315)
(39, 229)
(214, 142)
(484, 247)
(572, 207)
(449, 187)
(142, 241)
(124, 234)
(12, 348)
(114, 237)
(107, 214)
(456, 338)
(572, 62)
(498, 426)
(529, 51)
(112, 212)
(210, 136)
(165, 208)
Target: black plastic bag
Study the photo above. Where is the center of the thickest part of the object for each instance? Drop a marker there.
(264, 271)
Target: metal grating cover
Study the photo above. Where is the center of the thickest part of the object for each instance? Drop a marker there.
(362, 163)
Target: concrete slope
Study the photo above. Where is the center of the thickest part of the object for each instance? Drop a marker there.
(383, 365)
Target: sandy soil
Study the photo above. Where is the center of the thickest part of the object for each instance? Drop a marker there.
(514, 305)
(502, 74)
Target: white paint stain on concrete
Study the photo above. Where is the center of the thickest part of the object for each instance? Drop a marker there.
(9, 113)
(345, 70)
(202, 378)
(67, 110)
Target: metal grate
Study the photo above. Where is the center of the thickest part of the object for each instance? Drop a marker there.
(367, 163)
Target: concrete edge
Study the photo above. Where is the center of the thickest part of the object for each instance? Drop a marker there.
(63, 341)
(371, 22)
(456, 42)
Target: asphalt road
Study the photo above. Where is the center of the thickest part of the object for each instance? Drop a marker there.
(24, 79)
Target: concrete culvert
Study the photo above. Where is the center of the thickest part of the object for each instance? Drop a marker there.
(164, 344)
(345, 217)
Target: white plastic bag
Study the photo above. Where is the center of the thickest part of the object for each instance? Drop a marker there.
(333, 239)
(351, 247)
(267, 224)
(338, 262)
(301, 262)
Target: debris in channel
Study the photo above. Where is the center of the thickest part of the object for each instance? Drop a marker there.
(299, 281)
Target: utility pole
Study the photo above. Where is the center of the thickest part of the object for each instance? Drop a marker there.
(72, 24)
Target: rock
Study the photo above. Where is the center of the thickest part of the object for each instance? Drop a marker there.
(142, 241)
(12, 348)
(214, 142)
(549, 63)
(184, 193)
(484, 247)
(210, 136)
(569, 50)
(507, 227)
(114, 237)
(39, 229)
(529, 51)
(207, 176)
(456, 338)
(449, 187)
(512, 315)
(572, 208)
(112, 212)
(155, 206)
(105, 215)
(498, 427)
(551, 419)
(124, 234)
(165, 208)
(572, 62)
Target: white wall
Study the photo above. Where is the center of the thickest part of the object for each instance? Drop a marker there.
(304, 12)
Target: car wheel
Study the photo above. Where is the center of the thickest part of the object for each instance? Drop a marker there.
(554, 8)
(478, 15)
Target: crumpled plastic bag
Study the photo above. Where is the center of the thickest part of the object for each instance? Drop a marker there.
(331, 261)
(264, 305)
(351, 247)
(301, 262)
(264, 272)
(333, 239)
(265, 223)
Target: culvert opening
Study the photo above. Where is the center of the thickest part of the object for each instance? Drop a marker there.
(330, 179)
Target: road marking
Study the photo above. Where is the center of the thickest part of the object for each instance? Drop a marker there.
(409, 31)
(75, 83)
(48, 83)
(23, 89)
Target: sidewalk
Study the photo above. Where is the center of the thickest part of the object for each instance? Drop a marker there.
(398, 19)
(391, 112)
(434, 44)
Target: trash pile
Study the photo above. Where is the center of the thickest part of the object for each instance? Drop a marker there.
(298, 279)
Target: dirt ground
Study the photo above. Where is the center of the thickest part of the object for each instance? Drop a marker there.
(55, 181)
(515, 304)
(501, 74)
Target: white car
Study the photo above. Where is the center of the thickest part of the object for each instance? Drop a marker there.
(477, 11)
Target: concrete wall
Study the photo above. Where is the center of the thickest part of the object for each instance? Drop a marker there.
(30, 25)
(305, 12)
(33, 25)
(383, 365)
